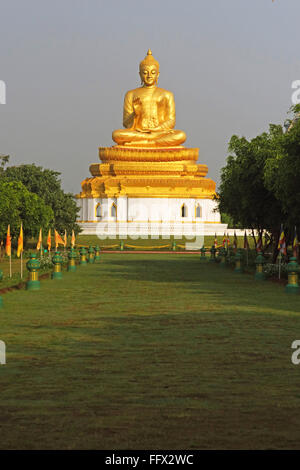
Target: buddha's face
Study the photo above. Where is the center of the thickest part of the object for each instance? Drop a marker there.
(149, 75)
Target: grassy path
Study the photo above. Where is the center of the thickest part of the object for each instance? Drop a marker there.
(150, 352)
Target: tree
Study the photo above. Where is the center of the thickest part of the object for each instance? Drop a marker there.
(243, 194)
(282, 174)
(46, 184)
(18, 205)
(4, 159)
(226, 219)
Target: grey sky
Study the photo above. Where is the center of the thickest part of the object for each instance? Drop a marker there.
(68, 63)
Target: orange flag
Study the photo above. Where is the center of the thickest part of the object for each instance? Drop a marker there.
(20, 242)
(8, 242)
(58, 239)
(65, 238)
(49, 240)
(39, 243)
(73, 239)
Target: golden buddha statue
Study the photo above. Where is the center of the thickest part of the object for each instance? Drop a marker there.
(149, 112)
(149, 161)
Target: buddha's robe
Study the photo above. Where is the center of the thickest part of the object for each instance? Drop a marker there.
(149, 119)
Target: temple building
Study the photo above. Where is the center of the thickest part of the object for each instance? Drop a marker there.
(148, 183)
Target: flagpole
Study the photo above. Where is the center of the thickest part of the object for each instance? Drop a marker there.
(280, 243)
(247, 247)
(279, 264)
(21, 264)
(8, 248)
(279, 272)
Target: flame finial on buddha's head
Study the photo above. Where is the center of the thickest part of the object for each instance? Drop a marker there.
(149, 60)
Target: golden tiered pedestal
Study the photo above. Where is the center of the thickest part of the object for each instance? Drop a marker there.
(148, 172)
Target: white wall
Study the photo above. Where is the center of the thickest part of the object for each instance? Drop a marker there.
(144, 210)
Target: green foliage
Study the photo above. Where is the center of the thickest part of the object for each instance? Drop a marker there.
(243, 194)
(46, 260)
(282, 174)
(18, 205)
(260, 183)
(4, 159)
(47, 185)
(227, 219)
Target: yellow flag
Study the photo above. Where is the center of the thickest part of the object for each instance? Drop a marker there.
(73, 239)
(8, 242)
(65, 238)
(20, 242)
(58, 239)
(39, 243)
(49, 240)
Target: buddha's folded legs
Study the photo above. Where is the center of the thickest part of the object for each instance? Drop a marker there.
(170, 138)
(123, 136)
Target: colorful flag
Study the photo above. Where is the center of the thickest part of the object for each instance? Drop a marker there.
(282, 242)
(259, 244)
(295, 244)
(20, 242)
(73, 239)
(216, 241)
(224, 240)
(49, 240)
(246, 243)
(228, 241)
(58, 240)
(39, 243)
(8, 242)
(235, 242)
(65, 239)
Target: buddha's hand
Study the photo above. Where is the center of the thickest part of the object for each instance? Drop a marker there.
(137, 107)
(156, 129)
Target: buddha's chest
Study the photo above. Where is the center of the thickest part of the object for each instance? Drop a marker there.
(150, 104)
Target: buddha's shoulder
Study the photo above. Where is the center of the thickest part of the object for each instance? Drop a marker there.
(164, 91)
(142, 90)
(133, 92)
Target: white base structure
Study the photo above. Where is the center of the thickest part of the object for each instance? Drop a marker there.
(148, 217)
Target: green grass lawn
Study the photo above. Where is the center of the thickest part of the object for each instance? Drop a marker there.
(150, 352)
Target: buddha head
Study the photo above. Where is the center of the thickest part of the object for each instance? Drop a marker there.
(149, 70)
